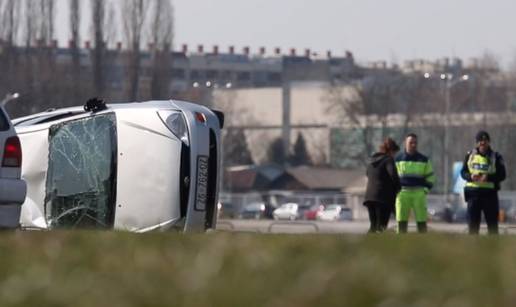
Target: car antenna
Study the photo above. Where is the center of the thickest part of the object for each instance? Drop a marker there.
(95, 105)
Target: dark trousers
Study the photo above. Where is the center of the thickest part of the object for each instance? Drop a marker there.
(379, 215)
(488, 204)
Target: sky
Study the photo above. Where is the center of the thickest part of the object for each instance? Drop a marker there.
(391, 30)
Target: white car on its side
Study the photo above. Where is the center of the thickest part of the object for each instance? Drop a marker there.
(286, 211)
(131, 166)
(12, 188)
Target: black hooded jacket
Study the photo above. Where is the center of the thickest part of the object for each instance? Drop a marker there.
(383, 182)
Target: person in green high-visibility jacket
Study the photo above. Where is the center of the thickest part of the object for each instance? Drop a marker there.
(483, 170)
(416, 178)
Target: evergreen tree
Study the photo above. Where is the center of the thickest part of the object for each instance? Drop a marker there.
(300, 155)
(235, 148)
(276, 152)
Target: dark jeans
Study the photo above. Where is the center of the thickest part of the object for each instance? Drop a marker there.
(488, 204)
(379, 215)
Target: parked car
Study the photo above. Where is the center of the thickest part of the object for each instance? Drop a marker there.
(330, 213)
(460, 215)
(311, 213)
(345, 214)
(129, 166)
(254, 210)
(226, 210)
(13, 189)
(286, 211)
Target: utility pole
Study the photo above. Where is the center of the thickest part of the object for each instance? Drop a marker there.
(286, 115)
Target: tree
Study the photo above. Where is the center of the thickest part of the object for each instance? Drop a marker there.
(162, 30)
(134, 14)
(75, 21)
(236, 151)
(276, 152)
(300, 155)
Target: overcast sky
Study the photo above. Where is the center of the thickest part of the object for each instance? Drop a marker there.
(392, 30)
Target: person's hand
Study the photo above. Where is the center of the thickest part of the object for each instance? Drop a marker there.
(483, 178)
(476, 177)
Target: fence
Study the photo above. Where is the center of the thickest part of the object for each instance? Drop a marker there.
(451, 208)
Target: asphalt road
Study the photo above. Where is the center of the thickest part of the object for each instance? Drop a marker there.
(345, 227)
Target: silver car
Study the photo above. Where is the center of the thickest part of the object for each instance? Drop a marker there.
(134, 166)
(12, 188)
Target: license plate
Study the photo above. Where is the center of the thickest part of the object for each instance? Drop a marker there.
(202, 183)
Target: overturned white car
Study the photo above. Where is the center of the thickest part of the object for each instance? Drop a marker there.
(133, 166)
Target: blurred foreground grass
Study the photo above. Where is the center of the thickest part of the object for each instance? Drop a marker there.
(222, 269)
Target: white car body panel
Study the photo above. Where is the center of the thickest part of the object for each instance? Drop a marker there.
(148, 161)
(144, 195)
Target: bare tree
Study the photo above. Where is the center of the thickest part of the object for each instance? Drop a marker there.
(98, 10)
(75, 21)
(10, 20)
(9, 14)
(162, 30)
(134, 14)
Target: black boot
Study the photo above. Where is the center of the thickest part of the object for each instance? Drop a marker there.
(402, 227)
(421, 227)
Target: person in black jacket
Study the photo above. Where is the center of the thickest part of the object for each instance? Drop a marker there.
(383, 184)
(483, 170)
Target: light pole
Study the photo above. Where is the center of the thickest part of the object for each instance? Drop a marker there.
(450, 82)
(9, 97)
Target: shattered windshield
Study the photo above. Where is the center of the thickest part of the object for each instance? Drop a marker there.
(80, 190)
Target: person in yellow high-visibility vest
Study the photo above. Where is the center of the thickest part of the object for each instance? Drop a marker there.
(416, 178)
(483, 170)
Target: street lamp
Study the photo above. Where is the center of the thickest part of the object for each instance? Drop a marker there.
(450, 83)
(9, 97)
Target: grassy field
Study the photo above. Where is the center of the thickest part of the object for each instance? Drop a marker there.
(222, 269)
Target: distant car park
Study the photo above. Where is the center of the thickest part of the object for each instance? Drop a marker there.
(132, 166)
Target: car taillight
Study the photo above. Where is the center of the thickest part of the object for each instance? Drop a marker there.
(12, 153)
(201, 118)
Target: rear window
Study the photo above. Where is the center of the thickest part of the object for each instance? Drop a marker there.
(81, 179)
(4, 121)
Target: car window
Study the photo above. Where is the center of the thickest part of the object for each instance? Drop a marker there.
(4, 121)
(81, 179)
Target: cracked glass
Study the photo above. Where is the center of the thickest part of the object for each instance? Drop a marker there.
(81, 178)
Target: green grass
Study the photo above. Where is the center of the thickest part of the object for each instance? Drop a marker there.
(223, 269)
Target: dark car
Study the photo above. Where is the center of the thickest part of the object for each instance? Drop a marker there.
(227, 210)
(253, 211)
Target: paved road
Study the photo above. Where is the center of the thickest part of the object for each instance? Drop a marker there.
(354, 227)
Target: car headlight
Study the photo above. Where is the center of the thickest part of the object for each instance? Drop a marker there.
(176, 123)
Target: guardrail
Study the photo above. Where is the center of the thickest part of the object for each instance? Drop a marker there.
(293, 224)
(227, 223)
